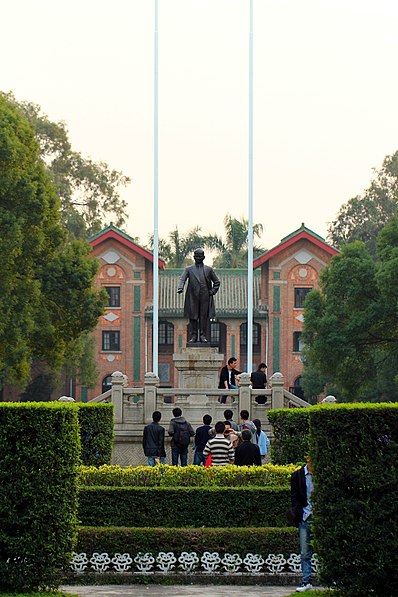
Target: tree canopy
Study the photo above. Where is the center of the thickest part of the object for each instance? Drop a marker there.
(47, 298)
(88, 190)
(351, 324)
(233, 249)
(364, 216)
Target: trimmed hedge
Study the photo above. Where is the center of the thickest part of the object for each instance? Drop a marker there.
(39, 447)
(355, 455)
(291, 434)
(183, 506)
(232, 540)
(268, 475)
(96, 432)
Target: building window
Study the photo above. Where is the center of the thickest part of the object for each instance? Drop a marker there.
(299, 297)
(164, 372)
(218, 335)
(166, 333)
(256, 335)
(297, 342)
(114, 296)
(111, 340)
(106, 383)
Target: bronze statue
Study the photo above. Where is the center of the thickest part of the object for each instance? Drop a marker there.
(203, 284)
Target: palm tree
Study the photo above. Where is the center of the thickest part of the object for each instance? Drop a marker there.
(232, 252)
(176, 250)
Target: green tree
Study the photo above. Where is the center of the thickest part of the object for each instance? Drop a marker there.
(88, 190)
(232, 252)
(47, 298)
(364, 216)
(177, 250)
(350, 325)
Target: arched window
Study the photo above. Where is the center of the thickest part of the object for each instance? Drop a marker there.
(218, 335)
(297, 389)
(166, 336)
(106, 383)
(256, 336)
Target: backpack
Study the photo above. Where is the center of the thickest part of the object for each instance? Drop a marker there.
(181, 435)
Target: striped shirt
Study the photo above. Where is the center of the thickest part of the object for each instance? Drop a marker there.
(221, 450)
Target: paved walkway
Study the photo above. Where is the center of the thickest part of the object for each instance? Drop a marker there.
(180, 590)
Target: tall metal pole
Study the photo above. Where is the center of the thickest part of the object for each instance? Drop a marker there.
(250, 222)
(155, 319)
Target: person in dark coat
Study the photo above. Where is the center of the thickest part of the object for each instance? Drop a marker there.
(247, 454)
(201, 439)
(153, 440)
(259, 382)
(229, 377)
(203, 284)
(301, 486)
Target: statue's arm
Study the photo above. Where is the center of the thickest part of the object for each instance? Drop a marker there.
(216, 282)
(182, 281)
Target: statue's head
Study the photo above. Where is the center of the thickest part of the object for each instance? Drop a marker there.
(199, 255)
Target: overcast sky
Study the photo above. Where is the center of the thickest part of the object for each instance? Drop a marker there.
(325, 100)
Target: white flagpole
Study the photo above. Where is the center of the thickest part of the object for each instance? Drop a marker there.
(155, 319)
(250, 222)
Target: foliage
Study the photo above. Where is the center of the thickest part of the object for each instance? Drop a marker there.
(354, 449)
(39, 444)
(96, 433)
(39, 594)
(46, 295)
(232, 252)
(88, 190)
(268, 475)
(290, 427)
(354, 317)
(183, 506)
(240, 540)
(177, 250)
(364, 216)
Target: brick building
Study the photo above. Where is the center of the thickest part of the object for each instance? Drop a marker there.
(282, 278)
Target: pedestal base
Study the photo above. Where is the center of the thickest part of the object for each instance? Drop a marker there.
(198, 365)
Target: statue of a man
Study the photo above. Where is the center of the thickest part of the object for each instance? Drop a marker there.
(203, 284)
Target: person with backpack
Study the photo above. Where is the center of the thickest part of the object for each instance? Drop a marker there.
(247, 424)
(180, 432)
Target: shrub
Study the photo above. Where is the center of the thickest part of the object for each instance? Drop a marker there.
(183, 506)
(291, 431)
(96, 432)
(232, 540)
(39, 447)
(268, 475)
(355, 455)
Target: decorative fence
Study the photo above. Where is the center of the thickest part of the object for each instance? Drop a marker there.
(189, 563)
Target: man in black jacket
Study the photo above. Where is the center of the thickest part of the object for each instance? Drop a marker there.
(301, 488)
(247, 454)
(153, 440)
(229, 377)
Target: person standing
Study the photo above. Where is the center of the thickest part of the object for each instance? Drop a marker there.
(259, 382)
(228, 415)
(301, 485)
(247, 454)
(180, 431)
(229, 377)
(262, 440)
(201, 439)
(153, 440)
(247, 424)
(220, 447)
(203, 284)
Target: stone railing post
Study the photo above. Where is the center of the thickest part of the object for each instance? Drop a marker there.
(118, 381)
(276, 382)
(151, 382)
(245, 393)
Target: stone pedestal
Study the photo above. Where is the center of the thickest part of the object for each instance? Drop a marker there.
(198, 367)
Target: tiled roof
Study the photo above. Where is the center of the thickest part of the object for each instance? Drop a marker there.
(230, 301)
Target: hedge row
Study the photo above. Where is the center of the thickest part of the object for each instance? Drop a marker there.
(267, 475)
(96, 432)
(232, 540)
(355, 455)
(39, 447)
(291, 434)
(183, 507)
